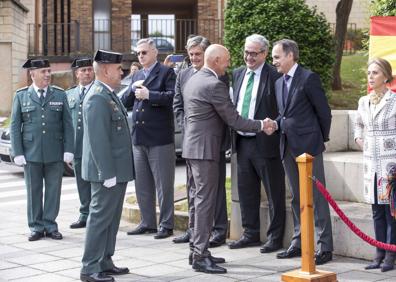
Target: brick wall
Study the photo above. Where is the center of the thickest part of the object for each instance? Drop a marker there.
(120, 25)
(209, 15)
(13, 49)
(81, 11)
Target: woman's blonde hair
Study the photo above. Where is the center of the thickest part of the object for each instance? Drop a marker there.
(385, 67)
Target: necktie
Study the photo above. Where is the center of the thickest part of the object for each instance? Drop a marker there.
(82, 92)
(248, 96)
(285, 90)
(41, 91)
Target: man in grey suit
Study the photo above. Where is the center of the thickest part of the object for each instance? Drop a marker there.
(107, 164)
(75, 95)
(196, 47)
(258, 158)
(41, 140)
(304, 124)
(207, 108)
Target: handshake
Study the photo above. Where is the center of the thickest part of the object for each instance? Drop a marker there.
(269, 126)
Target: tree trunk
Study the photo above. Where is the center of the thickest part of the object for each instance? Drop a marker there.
(342, 15)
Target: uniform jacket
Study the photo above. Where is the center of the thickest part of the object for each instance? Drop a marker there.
(75, 105)
(42, 133)
(107, 148)
(378, 129)
(267, 146)
(207, 108)
(304, 122)
(152, 119)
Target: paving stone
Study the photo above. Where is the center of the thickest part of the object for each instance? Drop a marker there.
(58, 265)
(32, 259)
(7, 265)
(45, 278)
(6, 249)
(68, 253)
(155, 270)
(18, 272)
(244, 272)
(359, 276)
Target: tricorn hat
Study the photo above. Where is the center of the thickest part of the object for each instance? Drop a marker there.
(81, 62)
(107, 57)
(36, 64)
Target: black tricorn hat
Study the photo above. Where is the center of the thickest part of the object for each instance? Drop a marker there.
(107, 57)
(36, 64)
(81, 62)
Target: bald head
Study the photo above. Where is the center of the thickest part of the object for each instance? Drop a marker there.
(217, 58)
(108, 73)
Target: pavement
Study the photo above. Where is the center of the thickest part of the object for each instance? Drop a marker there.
(148, 259)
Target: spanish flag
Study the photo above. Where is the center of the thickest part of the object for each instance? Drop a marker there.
(383, 42)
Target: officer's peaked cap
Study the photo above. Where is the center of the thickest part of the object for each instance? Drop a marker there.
(107, 57)
(81, 62)
(36, 64)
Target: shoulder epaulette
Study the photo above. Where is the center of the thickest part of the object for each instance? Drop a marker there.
(23, 88)
(57, 87)
(70, 88)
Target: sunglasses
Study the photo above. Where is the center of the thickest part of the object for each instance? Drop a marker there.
(143, 53)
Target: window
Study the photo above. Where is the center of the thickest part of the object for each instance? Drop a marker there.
(102, 24)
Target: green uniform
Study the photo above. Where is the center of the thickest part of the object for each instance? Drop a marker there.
(107, 153)
(84, 187)
(42, 132)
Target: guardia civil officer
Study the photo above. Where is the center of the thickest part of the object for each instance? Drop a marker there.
(108, 164)
(41, 140)
(85, 75)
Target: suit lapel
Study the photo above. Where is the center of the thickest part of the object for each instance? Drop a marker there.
(262, 84)
(238, 85)
(33, 95)
(278, 93)
(153, 74)
(294, 85)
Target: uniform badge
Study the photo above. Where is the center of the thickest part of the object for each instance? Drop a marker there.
(114, 106)
(56, 103)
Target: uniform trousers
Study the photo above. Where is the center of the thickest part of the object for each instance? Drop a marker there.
(84, 191)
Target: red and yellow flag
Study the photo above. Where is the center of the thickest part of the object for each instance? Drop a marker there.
(383, 42)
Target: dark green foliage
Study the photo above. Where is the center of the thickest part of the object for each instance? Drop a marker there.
(277, 19)
(383, 8)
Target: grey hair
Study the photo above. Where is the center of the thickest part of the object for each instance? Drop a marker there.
(289, 46)
(259, 39)
(148, 41)
(198, 40)
(96, 67)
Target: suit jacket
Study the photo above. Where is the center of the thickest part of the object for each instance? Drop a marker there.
(152, 119)
(75, 105)
(178, 105)
(42, 133)
(107, 147)
(207, 107)
(304, 122)
(266, 146)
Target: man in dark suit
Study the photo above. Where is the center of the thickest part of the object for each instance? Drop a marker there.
(85, 75)
(207, 107)
(304, 124)
(151, 95)
(196, 47)
(41, 140)
(258, 156)
(107, 164)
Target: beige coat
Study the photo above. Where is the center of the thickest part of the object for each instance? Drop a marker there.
(377, 126)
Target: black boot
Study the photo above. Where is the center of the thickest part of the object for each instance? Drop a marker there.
(206, 265)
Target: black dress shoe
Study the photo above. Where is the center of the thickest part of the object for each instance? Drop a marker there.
(244, 242)
(291, 252)
(163, 233)
(212, 258)
(117, 271)
(386, 267)
(185, 238)
(78, 224)
(56, 235)
(206, 265)
(374, 265)
(35, 235)
(141, 230)
(96, 277)
(270, 247)
(323, 257)
(216, 242)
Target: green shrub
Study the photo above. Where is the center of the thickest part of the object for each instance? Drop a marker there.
(275, 20)
(383, 8)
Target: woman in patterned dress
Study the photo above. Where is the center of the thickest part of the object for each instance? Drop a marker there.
(375, 133)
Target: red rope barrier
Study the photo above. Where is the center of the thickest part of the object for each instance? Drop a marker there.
(349, 223)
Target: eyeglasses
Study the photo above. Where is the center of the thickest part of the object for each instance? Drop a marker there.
(252, 54)
(143, 53)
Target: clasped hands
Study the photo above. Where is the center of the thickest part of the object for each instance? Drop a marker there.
(269, 126)
(141, 91)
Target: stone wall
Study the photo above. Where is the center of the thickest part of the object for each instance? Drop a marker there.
(13, 49)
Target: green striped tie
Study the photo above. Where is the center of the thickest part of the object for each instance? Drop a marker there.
(248, 96)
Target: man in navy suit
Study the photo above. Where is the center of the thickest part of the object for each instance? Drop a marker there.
(304, 124)
(151, 95)
(258, 158)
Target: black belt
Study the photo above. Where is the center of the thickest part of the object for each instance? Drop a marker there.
(246, 136)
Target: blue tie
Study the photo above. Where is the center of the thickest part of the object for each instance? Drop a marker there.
(285, 90)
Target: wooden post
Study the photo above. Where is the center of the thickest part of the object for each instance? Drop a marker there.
(308, 270)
